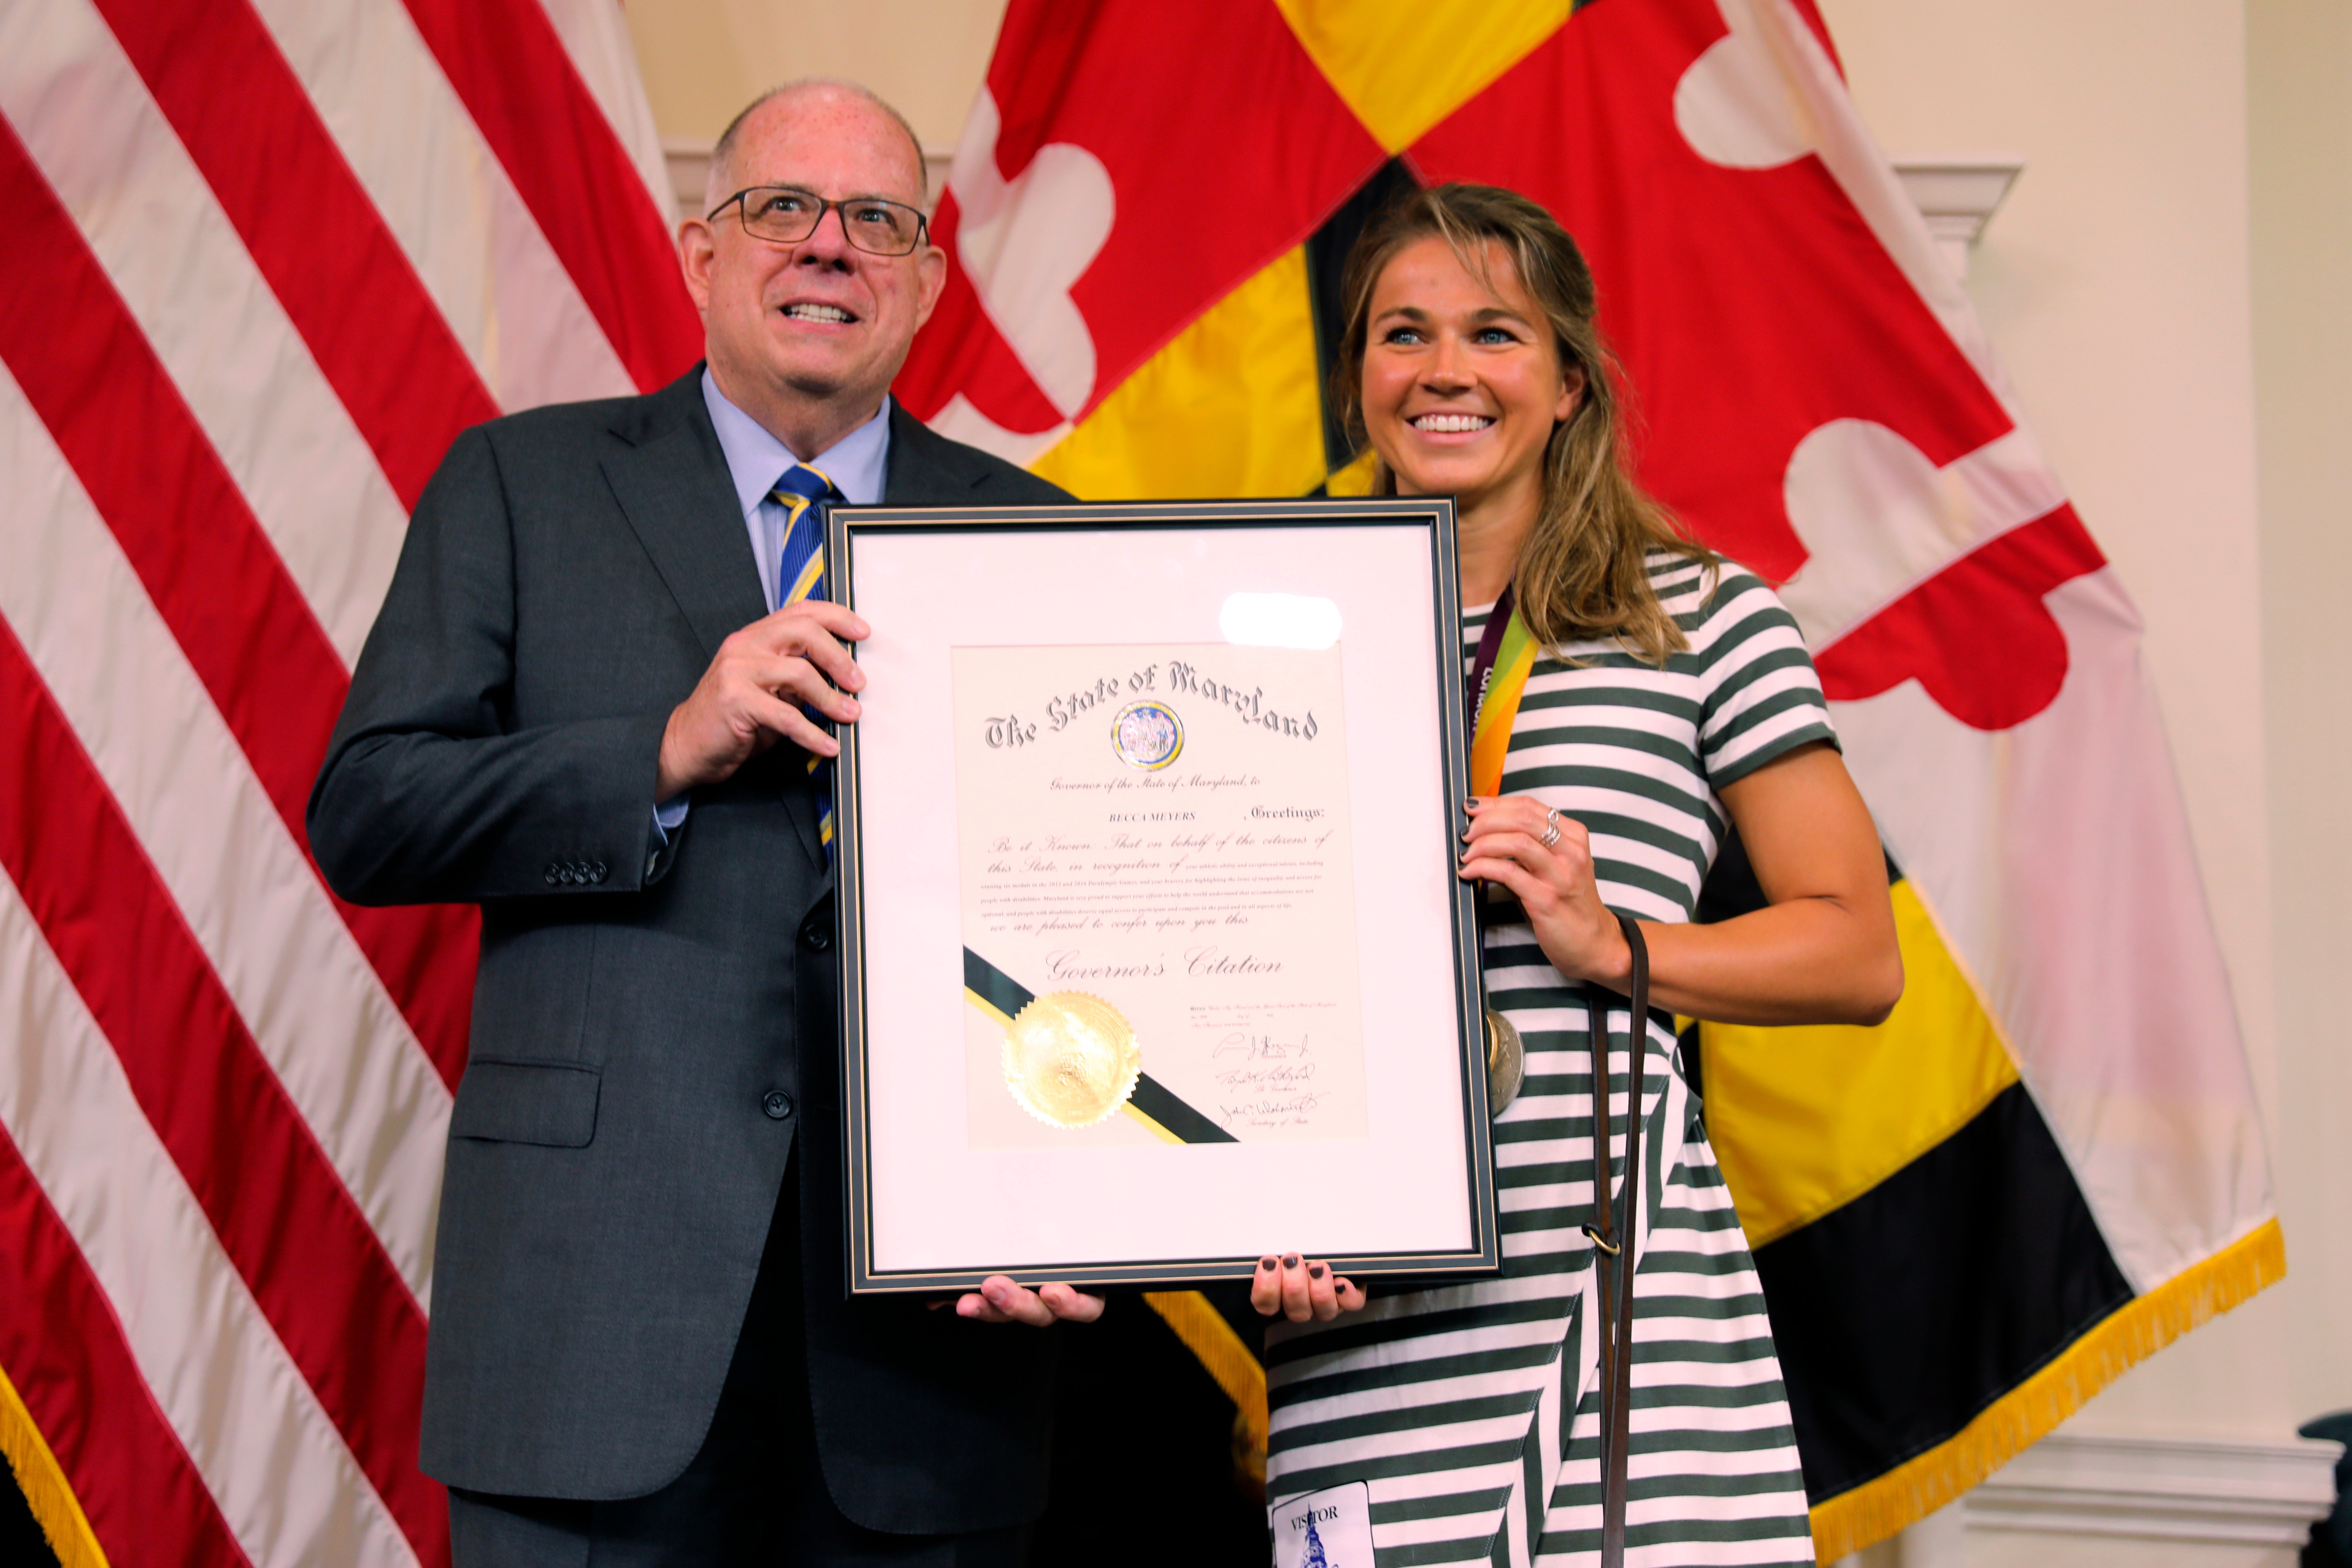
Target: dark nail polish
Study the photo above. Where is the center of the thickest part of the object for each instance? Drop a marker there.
(1265, 1263)
(1291, 1262)
(1315, 1272)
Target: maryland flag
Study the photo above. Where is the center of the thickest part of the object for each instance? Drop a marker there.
(2047, 1163)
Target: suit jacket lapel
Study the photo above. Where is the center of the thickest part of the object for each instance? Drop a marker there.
(670, 480)
(925, 468)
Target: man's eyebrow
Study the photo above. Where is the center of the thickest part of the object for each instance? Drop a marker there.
(853, 196)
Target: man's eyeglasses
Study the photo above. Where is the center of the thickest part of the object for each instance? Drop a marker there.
(788, 215)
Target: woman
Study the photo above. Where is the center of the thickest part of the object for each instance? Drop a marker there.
(1671, 691)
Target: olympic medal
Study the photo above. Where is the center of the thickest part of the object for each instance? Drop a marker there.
(1507, 1062)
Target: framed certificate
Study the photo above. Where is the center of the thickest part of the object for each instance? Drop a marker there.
(1154, 958)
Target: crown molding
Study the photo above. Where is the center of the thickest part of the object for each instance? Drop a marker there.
(1958, 197)
(2165, 1488)
(2257, 1498)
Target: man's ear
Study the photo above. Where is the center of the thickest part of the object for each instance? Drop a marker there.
(931, 281)
(696, 245)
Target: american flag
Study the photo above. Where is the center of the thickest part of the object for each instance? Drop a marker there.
(262, 260)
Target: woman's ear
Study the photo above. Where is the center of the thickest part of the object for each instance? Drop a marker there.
(1571, 389)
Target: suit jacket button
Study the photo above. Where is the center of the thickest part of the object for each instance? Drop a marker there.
(817, 936)
(552, 876)
(595, 870)
(777, 1104)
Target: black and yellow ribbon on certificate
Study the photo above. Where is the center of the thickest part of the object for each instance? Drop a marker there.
(1071, 1059)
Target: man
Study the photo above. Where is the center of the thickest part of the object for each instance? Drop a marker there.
(583, 709)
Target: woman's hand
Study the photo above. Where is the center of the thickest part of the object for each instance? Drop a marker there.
(1824, 949)
(1302, 1288)
(999, 1300)
(1545, 858)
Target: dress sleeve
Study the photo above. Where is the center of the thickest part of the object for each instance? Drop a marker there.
(1759, 697)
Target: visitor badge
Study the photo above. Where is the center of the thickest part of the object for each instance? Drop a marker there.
(1329, 1529)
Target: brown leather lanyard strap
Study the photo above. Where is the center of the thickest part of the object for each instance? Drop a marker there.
(1613, 1240)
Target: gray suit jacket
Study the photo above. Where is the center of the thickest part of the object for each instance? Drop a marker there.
(652, 1031)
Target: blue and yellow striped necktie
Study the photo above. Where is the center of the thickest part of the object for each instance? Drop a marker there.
(799, 564)
(800, 574)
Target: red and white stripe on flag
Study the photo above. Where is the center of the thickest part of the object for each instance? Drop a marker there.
(265, 258)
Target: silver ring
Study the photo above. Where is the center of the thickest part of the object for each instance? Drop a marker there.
(1551, 830)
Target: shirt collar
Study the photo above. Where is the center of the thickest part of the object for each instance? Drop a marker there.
(756, 459)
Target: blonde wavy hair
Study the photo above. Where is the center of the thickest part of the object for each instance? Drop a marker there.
(1583, 574)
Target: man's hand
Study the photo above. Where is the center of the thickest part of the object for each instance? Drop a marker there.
(999, 1300)
(751, 695)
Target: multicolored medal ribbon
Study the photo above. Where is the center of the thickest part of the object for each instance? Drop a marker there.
(1498, 679)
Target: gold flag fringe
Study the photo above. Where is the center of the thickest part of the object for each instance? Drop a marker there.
(1225, 1358)
(2026, 1413)
(43, 1483)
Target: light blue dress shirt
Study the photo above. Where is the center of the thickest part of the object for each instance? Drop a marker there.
(857, 464)
(756, 461)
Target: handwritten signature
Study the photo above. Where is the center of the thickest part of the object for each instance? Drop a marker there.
(1261, 1048)
(1287, 1076)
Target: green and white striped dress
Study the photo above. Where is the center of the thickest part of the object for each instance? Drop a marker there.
(1473, 1411)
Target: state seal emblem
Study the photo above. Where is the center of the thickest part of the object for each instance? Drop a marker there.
(1147, 736)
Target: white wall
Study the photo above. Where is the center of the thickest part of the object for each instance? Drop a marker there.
(2300, 125)
(2168, 287)
(704, 59)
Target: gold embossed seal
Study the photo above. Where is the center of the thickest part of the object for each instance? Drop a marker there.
(1070, 1058)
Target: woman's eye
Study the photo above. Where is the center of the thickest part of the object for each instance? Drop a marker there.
(1494, 335)
(1403, 337)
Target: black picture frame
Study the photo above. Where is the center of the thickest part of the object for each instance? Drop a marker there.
(1150, 526)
